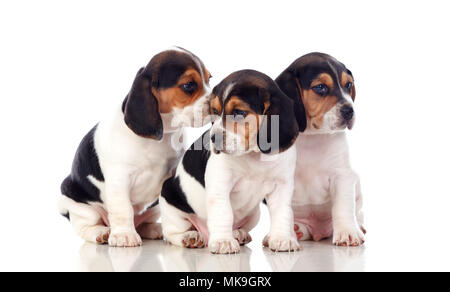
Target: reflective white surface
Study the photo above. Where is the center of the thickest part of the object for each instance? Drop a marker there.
(160, 257)
(388, 248)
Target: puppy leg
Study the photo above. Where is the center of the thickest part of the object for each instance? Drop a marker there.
(121, 212)
(346, 229)
(359, 207)
(220, 225)
(177, 229)
(242, 235)
(90, 231)
(149, 228)
(282, 237)
(86, 221)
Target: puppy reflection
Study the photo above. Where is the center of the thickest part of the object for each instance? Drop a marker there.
(159, 257)
(102, 258)
(318, 257)
(177, 259)
(282, 262)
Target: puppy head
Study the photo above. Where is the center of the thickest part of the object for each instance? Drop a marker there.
(251, 114)
(323, 90)
(175, 82)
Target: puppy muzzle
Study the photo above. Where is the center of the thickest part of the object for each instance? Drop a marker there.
(348, 116)
(216, 145)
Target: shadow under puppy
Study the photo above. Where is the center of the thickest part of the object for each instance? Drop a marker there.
(122, 163)
(214, 199)
(327, 199)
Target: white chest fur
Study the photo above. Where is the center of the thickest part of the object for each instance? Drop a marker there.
(255, 177)
(320, 159)
(139, 163)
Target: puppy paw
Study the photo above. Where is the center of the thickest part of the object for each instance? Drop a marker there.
(281, 244)
(193, 239)
(364, 230)
(302, 232)
(101, 235)
(125, 239)
(242, 236)
(151, 231)
(348, 236)
(224, 246)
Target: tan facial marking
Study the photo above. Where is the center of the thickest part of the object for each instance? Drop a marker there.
(235, 103)
(249, 127)
(175, 97)
(346, 78)
(266, 106)
(216, 104)
(207, 75)
(317, 106)
(323, 78)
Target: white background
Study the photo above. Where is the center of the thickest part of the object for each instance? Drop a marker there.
(63, 63)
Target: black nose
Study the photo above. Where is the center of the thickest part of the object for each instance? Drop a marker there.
(347, 113)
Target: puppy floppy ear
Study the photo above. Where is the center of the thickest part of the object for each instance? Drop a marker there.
(280, 109)
(353, 95)
(141, 109)
(289, 84)
(353, 91)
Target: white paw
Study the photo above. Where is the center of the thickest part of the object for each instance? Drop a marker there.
(101, 235)
(125, 239)
(348, 236)
(193, 239)
(302, 232)
(281, 244)
(242, 236)
(224, 246)
(151, 231)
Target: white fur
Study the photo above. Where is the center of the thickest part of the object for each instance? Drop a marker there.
(326, 188)
(235, 187)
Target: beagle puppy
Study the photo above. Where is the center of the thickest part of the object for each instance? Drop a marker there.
(120, 166)
(213, 200)
(327, 199)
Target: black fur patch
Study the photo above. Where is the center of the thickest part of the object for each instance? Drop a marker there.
(77, 186)
(175, 196)
(154, 205)
(195, 161)
(67, 215)
(288, 84)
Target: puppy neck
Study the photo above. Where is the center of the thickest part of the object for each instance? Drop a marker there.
(319, 142)
(321, 132)
(253, 159)
(170, 125)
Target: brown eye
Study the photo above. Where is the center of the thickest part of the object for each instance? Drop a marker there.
(189, 87)
(321, 89)
(215, 112)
